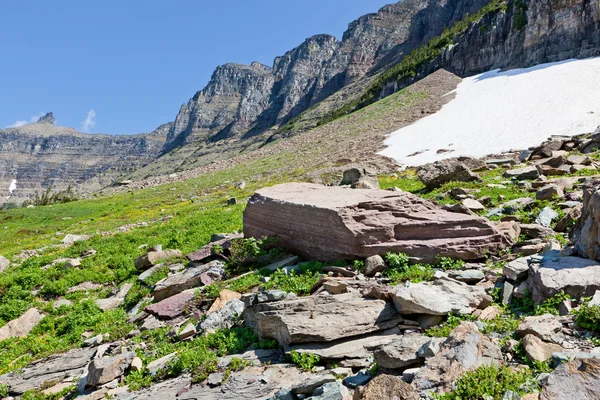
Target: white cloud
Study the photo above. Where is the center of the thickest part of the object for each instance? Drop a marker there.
(22, 122)
(90, 121)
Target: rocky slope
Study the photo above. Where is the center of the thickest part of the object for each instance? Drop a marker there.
(40, 155)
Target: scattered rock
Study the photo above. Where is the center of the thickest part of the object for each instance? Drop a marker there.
(464, 350)
(549, 192)
(473, 205)
(4, 263)
(347, 224)
(93, 341)
(546, 216)
(153, 258)
(225, 318)
(467, 276)
(389, 387)
(187, 332)
(373, 265)
(517, 270)
(440, 298)
(71, 239)
(104, 370)
(225, 296)
(157, 365)
(546, 327)
(538, 350)
(85, 287)
(586, 234)
(309, 385)
(171, 307)
(356, 351)
(21, 326)
(440, 172)
(402, 352)
(360, 178)
(188, 279)
(526, 173)
(137, 364)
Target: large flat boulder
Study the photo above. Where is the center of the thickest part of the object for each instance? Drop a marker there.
(578, 277)
(187, 279)
(440, 298)
(329, 223)
(437, 174)
(320, 318)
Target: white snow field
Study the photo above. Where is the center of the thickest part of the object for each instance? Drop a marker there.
(499, 111)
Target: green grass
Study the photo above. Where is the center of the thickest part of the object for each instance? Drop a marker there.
(305, 361)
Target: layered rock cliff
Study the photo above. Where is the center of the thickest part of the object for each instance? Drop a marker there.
(40, 155)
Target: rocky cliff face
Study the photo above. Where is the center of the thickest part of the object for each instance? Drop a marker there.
(245, 100)
(42, 154)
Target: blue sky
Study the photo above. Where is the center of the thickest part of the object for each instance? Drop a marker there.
(135, 62)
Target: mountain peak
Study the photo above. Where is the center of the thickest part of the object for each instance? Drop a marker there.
(47, 119)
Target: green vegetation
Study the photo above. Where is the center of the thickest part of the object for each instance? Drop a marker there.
(519, 14)
(197, 357)
(399, 269)
(61, 330)
(306, 361)
(588, 317)
(415, 60)
(490, 382)
(452, 322)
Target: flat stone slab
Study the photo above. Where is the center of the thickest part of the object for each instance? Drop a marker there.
(187, 279)
(320, 318)
(329, 223)
(55, 368)
(358, 349)
(171, 307)
(578, 277)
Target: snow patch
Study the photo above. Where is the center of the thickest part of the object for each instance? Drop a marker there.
(499, 111)
(13, 186)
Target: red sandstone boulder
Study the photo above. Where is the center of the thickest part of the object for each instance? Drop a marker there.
(329, 223)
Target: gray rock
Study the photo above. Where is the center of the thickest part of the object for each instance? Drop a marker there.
(467, 276)
(154, 257)
(388, 387)
(360, 379)
(94, 341)
(465, 349)
(549, 192)
(517, 270)
(4, 263)
(402, 352)
(21, 326)
(225, 318)
(473, 205)
(373, 265)
(104, 370)
(536, 231)
(330, 391)
(586, 235)
(188, 279)
(440, 298)
(56, 368)
(354, 176)
(354, 351)
(575, 380)
(578, 277)
(524, 173)
(538, 350)
(546, 216)
(546, 327)
(308, 386)
(440, 172)
(266, 296)
(187, 332)
(431, 347)
(320, 318)
(158, 365)
(255, 357)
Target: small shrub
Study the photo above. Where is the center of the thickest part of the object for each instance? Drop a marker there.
(588, 317)
(446, 263)
(488, 382)
(305, 361)
(359, 265)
